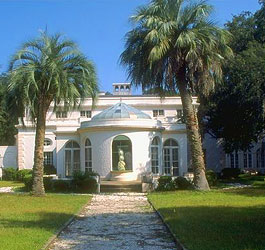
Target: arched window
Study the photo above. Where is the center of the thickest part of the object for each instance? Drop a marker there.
(121, 88)
(47, 142)
(88, 156)
(171, 157)
(155, 149)
(121, 153)
(72, 158)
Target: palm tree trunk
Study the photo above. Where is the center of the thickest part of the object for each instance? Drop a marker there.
(194, 138)
(38, 186)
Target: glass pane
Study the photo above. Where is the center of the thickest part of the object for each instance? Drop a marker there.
(68, 169)
(76, 160)
(122, 143)
(170, 142)
(174, 154)
(155, 141)
(166, 161)
(175, 172)
(88, 143)
(75, 145)
(86, 154)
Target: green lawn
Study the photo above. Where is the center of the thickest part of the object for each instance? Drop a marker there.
(11, 184)
(26, 222)
(219, 219)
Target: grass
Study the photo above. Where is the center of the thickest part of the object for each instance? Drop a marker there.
(11, 184)
(220, 219)
(26, 222)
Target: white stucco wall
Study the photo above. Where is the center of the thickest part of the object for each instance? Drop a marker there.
(8, 156)
(26, 145)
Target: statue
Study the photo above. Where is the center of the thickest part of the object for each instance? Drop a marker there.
(121, 163)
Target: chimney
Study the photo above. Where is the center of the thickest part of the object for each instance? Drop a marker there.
(122, 89)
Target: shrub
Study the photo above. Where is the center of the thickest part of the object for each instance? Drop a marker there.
(22, 173)
(10, 174)
(165, 183)
(182, 183)
(84, 182)
(211, 177)
(61, 185)
(48, 183)
(49, 169)
(28, 182)
(230, 173)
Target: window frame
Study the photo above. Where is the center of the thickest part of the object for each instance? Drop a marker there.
(85, 113)
(61, 114)
(155, 151)
(48, 158)
(49, 142)
(158, 112)
(88, 160)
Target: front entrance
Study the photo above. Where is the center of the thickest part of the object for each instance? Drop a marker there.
(171, 158)
(121, 153)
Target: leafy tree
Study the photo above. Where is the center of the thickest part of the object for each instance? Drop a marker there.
(236, 111)
(243, 28)
(173, 46)
(260, 22)
(45, 70)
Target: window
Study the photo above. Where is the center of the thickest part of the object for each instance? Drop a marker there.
(47, 158)
(247, 159)
(72, 158)
(171, 157)
(234, 160)
(158, 112)
(85, 113)
(47, 142)
(121, 153)
(88, 156)
(155, 149)
(260, 156)
(180, 116)
(179, 113)
(61, 114)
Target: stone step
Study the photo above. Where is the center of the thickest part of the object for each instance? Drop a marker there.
(120, 186)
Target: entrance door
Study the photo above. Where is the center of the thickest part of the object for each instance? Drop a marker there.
(72, 158)
(171, 158)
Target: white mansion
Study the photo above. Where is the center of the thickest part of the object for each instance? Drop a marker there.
(148, 130)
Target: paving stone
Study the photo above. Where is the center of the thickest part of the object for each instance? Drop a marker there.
(124, 221)
(6, 190)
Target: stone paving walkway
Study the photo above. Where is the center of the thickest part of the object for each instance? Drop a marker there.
(121, 221)
(6, 190)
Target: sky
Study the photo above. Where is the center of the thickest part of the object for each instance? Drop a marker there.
(97, 26)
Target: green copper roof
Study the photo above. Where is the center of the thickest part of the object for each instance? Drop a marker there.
(120, 111)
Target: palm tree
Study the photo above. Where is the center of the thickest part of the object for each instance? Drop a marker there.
(174, 46)
(48, 69)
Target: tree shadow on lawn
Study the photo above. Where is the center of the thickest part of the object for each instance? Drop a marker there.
(43, 220)
(219, 228)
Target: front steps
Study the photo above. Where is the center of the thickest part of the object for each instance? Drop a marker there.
(120, 186)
